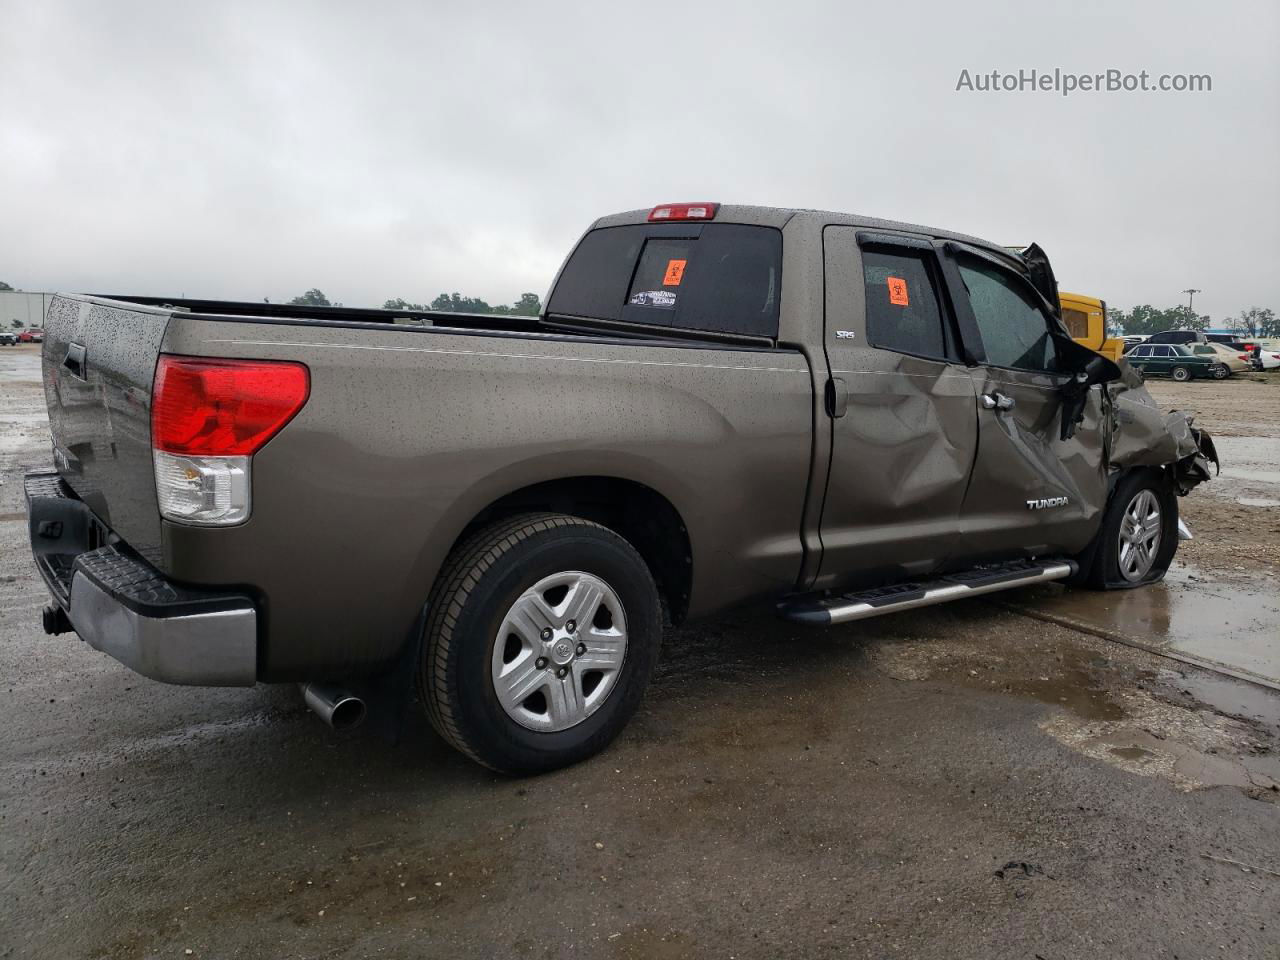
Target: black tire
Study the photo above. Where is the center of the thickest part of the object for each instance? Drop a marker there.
(1181, 374)
(479, 583)
(1100, 562)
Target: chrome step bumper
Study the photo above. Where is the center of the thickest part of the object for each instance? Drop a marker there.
(121, 605)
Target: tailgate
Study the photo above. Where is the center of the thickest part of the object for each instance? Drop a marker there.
(99, 360)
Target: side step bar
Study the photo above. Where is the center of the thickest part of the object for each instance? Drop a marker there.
(826, 611)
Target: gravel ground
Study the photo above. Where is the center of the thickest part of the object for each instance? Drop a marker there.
(1237, 517)
(955, 782)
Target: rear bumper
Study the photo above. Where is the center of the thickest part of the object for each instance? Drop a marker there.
(121, 605)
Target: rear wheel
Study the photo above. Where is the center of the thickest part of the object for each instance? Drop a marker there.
(1219, 372)
(1181, 374)
(1138, 537)
(542, 633)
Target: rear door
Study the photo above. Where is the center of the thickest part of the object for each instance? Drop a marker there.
(1162, 357)
(1141, 357)
(1032, 493)
(900, 409)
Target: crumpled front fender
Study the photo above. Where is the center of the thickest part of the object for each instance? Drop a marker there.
(1145, 436)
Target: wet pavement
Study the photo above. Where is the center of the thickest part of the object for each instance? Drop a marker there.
(962, 781)
(1227, 626)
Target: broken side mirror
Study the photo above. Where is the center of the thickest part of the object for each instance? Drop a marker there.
(1087, 368)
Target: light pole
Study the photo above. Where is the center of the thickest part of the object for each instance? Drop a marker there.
(1191, 295)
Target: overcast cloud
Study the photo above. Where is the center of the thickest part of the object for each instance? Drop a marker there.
(249, 150)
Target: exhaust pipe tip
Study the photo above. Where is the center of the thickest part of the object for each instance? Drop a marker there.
(55, 621)
(339, 708)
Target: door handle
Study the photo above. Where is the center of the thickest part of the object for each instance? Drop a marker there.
(997, 401)
(837, 397)
(74, 360)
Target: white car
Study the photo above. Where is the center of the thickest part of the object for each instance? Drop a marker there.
(1268, 357)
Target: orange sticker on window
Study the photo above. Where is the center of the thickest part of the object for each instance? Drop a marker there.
(675, 271)
(898, 291)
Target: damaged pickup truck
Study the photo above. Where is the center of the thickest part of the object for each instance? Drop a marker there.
(719, 404)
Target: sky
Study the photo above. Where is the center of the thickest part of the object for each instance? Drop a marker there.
(246, 150)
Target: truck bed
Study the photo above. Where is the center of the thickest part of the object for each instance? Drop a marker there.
(411, 431)
(285, 312)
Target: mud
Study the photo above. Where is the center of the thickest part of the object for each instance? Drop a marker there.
(962, 781)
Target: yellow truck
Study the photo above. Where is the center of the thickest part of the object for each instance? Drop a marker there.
(1086, 320)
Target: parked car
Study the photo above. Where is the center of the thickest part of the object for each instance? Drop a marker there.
(1178, 361)
(1241, 345)
(1268, 356)
(1178, 336)
(32, 335)
(8, 339)
(505, 509)
(1234, 360)
(1131, 340)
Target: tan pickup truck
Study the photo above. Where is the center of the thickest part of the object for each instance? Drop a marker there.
(719, 404)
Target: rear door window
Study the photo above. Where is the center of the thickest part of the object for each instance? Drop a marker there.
(903, 314)
(715, 277)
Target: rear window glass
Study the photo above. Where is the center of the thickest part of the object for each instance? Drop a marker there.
(660, 274)
(717, 277)
(902, 308)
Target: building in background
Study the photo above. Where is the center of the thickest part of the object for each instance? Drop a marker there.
(27, 308)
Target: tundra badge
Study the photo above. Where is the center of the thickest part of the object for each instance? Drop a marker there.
(1044, 503)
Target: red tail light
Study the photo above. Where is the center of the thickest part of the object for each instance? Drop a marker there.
(223, 408)
(684, 211)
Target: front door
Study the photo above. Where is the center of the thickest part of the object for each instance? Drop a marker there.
(1032, 492)
(901, 411)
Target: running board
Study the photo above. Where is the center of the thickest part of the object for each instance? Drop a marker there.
(825, 611)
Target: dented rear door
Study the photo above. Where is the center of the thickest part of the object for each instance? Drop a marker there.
(900, 411)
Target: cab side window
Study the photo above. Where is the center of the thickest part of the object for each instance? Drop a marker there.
(1014, 329)
(903, 314)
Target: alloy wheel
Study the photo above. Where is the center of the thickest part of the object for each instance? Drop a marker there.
(1140, 534)
(559, 651)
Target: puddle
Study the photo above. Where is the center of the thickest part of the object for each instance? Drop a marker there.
(1073, 687)
(1258, 476)
(1227, 695)
(1191, 747)
(1232, 625)
(1251, 469)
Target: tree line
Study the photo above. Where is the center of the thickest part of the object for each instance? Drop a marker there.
(1145, 319)
(529, 304)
